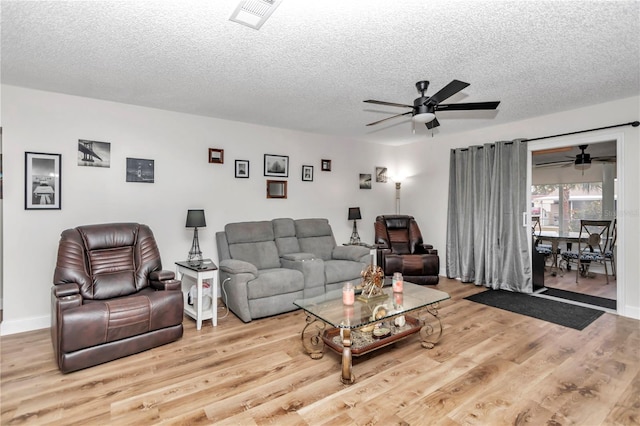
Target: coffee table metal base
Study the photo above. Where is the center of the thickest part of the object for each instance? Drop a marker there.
(353, 342)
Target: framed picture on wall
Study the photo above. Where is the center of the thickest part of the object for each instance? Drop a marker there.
(94, 153)
(42, 181)
(242, 168)
(140, 170)
(276, 165)
(216, 156)
(365, 180)
(307, 173)
(325, 165)
(381, 174)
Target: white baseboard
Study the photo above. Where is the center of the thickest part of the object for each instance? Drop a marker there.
(21, 326)
(631, 312)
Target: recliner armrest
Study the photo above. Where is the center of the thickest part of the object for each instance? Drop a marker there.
(65, 296)
(425, 249)
(234, 266)
(164, 280)
(162, 275)
(64, 290)
(354, 253)
(168, 285)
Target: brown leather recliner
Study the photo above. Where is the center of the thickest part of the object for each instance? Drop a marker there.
(400, 249)
(110, 296)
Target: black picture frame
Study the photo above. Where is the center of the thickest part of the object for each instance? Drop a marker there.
(242, 169)
(325, 165)
(140, 170)
(94, 153)
(307, 173)
(365, 180)
(276, 165)
(42, 181)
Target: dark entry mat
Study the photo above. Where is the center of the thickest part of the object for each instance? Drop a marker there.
(565, 314)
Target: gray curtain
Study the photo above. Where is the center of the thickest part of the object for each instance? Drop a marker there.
(486, 242)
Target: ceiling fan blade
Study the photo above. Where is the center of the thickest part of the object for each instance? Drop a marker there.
(467, 106)
(371, 101)
(555, 163)
(432, 124)
(552, 150)
(389, 118)
(605, 159)
(447, 91)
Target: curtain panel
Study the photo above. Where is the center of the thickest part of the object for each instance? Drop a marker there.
(487, 243)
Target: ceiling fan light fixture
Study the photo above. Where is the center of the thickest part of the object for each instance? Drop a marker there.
(583, 161)
(424, 118)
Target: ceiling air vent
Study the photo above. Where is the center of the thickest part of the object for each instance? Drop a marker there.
(254, 13)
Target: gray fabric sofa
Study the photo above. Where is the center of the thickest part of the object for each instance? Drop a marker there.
(264, 266)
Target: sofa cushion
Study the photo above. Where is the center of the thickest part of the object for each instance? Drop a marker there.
(264, 255)
(285, 233)
(249, 232)
(315, 236)
(102, 322)
(271, 282)
(253, 242)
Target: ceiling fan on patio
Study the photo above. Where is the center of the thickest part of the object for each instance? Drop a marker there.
(580, 161)
(424, 107)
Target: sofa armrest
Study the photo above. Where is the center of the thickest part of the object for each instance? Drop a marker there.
(235, 276)
(234, 266)
(354, 253)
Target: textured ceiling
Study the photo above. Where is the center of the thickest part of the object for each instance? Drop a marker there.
(313, 63)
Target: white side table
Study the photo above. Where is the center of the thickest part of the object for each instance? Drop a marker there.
(206, 271)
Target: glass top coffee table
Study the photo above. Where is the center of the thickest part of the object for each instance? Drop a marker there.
(369, 325)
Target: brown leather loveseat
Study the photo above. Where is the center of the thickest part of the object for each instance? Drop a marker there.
(110, 296)
(400, 249)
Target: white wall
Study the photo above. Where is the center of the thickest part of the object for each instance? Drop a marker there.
(52, 123)
(49, 122)
(425, 192)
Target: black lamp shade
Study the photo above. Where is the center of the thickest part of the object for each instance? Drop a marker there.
(195, 219)
(354, 213)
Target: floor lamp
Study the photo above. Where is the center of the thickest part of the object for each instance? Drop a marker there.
(195, 220)
(397, 197)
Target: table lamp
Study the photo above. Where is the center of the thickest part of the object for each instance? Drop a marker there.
(354, 214)
(195, 220)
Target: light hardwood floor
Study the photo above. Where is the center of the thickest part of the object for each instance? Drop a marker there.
(491, 367)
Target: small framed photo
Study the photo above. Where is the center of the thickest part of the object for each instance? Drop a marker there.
(326, 165)
(42, 181)
(276, 165)
(242, 168)
(307, 173)
(365, 180)
(94, 153)
(381, 174)
(140, 170)
(216, 156)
